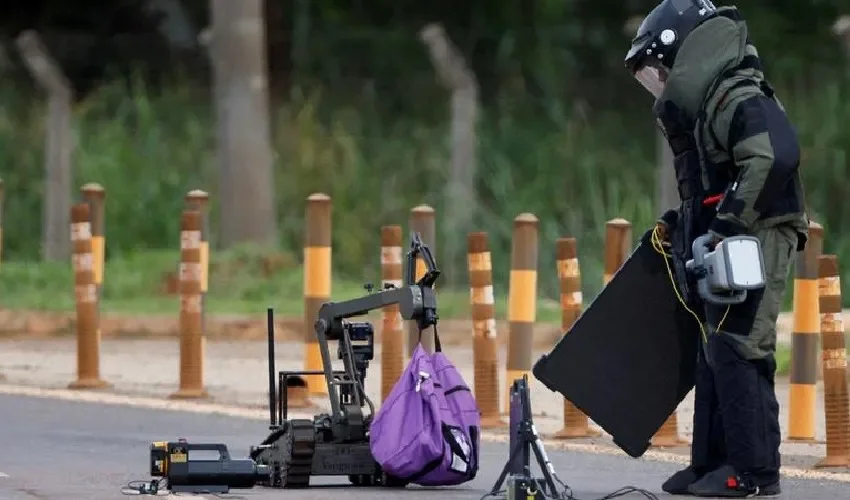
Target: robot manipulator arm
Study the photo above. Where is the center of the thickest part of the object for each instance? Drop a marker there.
(416, 300)
(419, 249)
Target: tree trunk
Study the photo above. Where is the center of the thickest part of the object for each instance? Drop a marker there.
(456, 77)
(246, 181)
(59, 147)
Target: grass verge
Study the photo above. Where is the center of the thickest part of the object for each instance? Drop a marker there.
(783, 360)
(242, 281)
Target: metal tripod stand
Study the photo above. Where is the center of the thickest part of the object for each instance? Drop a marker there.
(523, 441)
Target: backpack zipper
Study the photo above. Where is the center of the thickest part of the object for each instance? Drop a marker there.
(423, 376)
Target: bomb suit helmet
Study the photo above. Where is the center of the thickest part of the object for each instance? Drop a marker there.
(659, 37)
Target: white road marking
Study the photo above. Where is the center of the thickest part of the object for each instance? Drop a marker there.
(3, 474)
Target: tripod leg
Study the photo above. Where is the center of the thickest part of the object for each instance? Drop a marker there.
(507, 468)
(545, 465)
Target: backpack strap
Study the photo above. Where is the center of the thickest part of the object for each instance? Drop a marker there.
(438, 347)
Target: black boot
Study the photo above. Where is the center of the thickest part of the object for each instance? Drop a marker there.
(678, 483)
(708, 450)
(726, 483)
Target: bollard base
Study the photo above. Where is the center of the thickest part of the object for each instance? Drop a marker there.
(668, 442)
(834, 461)
(493, 422)
(89, 383)
(804, 440)
(299, 398)
(190, 394)
(576, 433)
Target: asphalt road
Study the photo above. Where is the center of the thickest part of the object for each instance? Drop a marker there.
(51, 449)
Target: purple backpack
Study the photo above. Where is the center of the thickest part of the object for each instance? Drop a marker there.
(427, 431)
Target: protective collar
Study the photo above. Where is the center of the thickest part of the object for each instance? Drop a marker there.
(710, 49)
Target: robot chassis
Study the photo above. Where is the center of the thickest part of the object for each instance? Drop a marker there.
(337, 443)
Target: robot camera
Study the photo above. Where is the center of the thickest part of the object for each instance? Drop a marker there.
(362, 338)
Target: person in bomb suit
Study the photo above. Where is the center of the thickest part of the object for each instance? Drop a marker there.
(736, 157)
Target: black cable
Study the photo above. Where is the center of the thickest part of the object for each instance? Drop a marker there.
(152, 487)
(625, 490)
(567, 494)
(155, 487)
(496, 494)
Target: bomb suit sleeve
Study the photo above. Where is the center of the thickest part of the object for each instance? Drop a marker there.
(756, 133)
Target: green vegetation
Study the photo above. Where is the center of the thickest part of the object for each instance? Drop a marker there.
(244, 280)
(148, 150)
(563, 133)
(783, 359)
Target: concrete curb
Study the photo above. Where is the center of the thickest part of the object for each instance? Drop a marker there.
(261, 414)
(139, 402)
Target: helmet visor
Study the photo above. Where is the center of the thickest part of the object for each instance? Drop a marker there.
(653, 79)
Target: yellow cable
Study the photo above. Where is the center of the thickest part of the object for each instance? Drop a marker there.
(658, 245)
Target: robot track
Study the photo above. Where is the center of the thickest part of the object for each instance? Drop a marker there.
(290, 456)
(298, 444)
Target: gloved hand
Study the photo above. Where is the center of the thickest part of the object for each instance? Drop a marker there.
(666, 224)
(677, 128)
(714, 240)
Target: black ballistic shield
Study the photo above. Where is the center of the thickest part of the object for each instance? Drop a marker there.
(629, 359)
